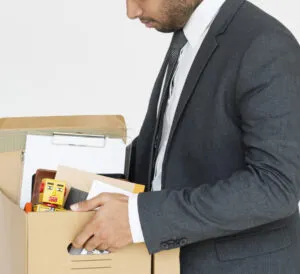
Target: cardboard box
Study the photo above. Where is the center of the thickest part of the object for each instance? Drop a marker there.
(37, 242)
(166, 262)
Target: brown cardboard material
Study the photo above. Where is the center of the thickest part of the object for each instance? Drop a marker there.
(65, 226)
(13, 259)
(166, 262)
(37, 242)
(110, 125)
(11, 172)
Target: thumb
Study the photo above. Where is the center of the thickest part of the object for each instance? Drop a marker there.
(91, 204)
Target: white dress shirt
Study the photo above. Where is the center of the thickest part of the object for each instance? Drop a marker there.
(195, 31)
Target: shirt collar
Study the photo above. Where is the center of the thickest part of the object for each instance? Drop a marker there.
(201, 19)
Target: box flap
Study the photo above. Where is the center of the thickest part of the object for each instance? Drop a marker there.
(13, 238)
(11, 173)
(105, 123)
(13, 131)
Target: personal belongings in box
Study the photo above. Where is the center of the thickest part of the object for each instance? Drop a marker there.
(51, 196)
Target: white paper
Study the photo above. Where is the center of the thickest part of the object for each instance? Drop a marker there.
(42, 153)
(99, 187)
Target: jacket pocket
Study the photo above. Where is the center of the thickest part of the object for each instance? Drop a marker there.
(252, 244)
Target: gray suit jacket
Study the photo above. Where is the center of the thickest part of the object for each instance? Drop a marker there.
(231, 173)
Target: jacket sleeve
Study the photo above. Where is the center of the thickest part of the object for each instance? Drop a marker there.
(267, 189)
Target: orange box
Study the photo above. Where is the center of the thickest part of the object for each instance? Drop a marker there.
(45, 208)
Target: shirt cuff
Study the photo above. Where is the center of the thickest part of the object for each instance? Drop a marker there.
(134, 220)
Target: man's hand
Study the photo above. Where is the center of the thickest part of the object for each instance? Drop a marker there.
(109, 229)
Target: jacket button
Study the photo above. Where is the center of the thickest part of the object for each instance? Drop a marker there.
(164, 245)
(183, 241)
(156, 142)
(172, 244)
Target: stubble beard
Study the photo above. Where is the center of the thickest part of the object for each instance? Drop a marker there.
(177, 14)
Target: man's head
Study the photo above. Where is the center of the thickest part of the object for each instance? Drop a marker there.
(163, 15)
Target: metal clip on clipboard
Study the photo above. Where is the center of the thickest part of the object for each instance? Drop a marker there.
(79, 139)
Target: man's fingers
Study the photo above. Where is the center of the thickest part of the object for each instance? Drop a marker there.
(87, 205)
(91, 244)
(109, 228)
(102, 247)
(96, 242)
(84, 236)
(93, 203)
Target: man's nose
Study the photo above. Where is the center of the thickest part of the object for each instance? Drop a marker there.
(133, 9)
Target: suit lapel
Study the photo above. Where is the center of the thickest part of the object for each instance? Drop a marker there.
(205, 53)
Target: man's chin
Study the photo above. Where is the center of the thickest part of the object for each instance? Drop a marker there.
(164, 29)
(159, 27)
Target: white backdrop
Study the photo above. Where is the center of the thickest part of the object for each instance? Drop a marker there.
(64, 57)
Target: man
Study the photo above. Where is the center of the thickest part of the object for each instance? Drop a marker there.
(219, 147)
